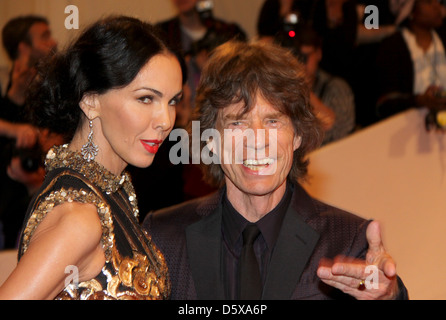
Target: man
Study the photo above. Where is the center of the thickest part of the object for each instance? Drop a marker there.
(27, 40)
(195, 31)
(330, 96)
(261, 88)
(195, 22)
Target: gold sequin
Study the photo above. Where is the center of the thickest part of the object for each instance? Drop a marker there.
(124, 277)
(61, 196)
(62, 157)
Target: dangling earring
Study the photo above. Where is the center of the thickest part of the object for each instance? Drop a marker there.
(89, 150)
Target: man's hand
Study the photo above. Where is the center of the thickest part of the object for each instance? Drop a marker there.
(26, 135)
(433, 98)
(32, 180)
(372, 279)
(21, 77)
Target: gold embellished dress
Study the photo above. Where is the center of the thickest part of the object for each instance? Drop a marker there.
(134, 267)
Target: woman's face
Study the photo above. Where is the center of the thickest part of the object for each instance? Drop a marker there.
(135, 120)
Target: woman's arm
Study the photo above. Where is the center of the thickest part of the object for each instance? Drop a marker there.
(69, 235)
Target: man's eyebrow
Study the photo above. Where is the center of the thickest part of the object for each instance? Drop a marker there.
(274, 115)
(159, 94)
(234, 116)
(237, 116)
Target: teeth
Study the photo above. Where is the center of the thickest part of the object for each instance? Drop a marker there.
(261, 162)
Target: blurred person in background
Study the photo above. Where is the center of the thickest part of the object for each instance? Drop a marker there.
(330, 96)
(28, 41)
(412, 62)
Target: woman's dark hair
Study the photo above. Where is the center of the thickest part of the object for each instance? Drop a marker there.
(235, 73)
(107, 55)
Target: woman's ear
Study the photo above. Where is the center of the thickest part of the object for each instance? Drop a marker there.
(90, 105)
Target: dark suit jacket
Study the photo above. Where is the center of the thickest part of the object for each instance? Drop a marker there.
(189, 236)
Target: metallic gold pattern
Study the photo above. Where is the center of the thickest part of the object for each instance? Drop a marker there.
(62, 157)
(144, 274)
(58, 197)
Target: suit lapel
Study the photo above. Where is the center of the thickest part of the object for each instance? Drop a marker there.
(294, 247)
(204, 252)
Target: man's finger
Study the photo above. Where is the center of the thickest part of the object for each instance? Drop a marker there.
(374, 239)
(388, 266)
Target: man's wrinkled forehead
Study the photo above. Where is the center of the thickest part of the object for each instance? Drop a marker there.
(233, 111)
(239, 111)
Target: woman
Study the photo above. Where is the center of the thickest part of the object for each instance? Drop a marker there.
(412, 62)
(114, 92)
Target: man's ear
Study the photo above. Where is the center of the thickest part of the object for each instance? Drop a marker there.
(24, 52)
(319, 54)
(297, 141)
(90, 105)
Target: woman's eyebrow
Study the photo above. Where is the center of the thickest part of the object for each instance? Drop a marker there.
(159, 94)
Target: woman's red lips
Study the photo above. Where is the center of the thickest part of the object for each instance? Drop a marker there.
(151, 145)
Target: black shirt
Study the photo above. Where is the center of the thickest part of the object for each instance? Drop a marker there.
(232, 227)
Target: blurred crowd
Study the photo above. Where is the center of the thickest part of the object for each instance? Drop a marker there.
(365, 61)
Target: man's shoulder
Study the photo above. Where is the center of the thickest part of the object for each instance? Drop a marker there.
(338, 227)
(313, 209)
(333, 214)
(183, 214)
(167, 22)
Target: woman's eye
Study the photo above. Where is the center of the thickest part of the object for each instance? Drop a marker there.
(174, 102)
(146, 99)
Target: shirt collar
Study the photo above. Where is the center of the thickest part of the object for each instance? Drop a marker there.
(234, 223)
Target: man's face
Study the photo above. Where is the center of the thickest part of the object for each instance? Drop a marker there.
(42, 42)
(313, 56)
(185, 6)
(258, 163)
(428, 13)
